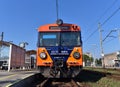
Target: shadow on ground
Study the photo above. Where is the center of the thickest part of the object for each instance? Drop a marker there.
(89, 76)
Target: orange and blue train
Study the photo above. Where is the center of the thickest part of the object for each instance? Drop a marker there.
(59, 49)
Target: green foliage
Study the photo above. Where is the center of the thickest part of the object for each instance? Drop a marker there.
(86, 58)
(98, 61)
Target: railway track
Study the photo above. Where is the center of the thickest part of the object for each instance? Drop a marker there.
(53, 82)
(84, 77)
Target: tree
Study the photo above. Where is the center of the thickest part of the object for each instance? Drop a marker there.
(98, 61)
(87, 59)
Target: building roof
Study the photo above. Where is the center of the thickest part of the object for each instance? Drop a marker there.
(110, 54)
(8, 44)
(5, 43)
(31, 52)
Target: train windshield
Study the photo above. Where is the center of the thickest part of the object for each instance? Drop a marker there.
(70, 39)
(59, 39)
(49, 39)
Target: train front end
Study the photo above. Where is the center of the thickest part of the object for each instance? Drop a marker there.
(59, 51)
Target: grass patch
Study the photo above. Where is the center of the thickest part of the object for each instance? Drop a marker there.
(104, 82)
(94, 80)
(112, 71)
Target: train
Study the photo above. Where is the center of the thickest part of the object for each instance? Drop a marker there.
(59, 49)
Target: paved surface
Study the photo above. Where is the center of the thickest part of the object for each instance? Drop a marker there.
(8, 78)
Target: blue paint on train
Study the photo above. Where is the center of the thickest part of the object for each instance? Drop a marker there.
(59, 52)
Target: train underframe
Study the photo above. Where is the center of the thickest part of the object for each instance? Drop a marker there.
(60, 70)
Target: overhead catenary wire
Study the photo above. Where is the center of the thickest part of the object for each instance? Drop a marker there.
(110, 16)
(107, 10)
(108, 35)
(104, 23)
(109, 40)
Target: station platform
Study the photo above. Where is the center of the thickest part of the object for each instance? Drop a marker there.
(8, 78)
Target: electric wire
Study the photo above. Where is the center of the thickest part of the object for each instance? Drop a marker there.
(110, 16)
(103, 23)
(105, 20)
(109, 40)
(107, 10)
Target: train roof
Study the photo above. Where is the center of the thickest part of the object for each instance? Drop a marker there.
(55, 27)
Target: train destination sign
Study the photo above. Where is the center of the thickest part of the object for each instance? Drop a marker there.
(59, 27)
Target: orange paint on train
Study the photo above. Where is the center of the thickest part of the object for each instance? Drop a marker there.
(43, 62)
(73, 61)
(46, 28)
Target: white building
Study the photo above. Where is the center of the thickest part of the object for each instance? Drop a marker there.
(112, 59)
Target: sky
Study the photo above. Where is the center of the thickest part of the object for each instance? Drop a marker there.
(19, 20)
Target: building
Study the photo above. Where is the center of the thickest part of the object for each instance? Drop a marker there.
(16, 57)
(111, 59)
(11, 56)
(30, 59)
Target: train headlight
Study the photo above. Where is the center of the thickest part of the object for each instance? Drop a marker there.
(43, 55)
(76, 55)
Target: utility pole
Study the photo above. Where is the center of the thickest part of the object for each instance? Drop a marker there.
(57, 10)
(119, 36)
(101, 45)
(94, 48)
(1, 37)
(1, 41)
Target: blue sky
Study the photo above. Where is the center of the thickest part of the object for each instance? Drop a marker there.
(19, 20)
